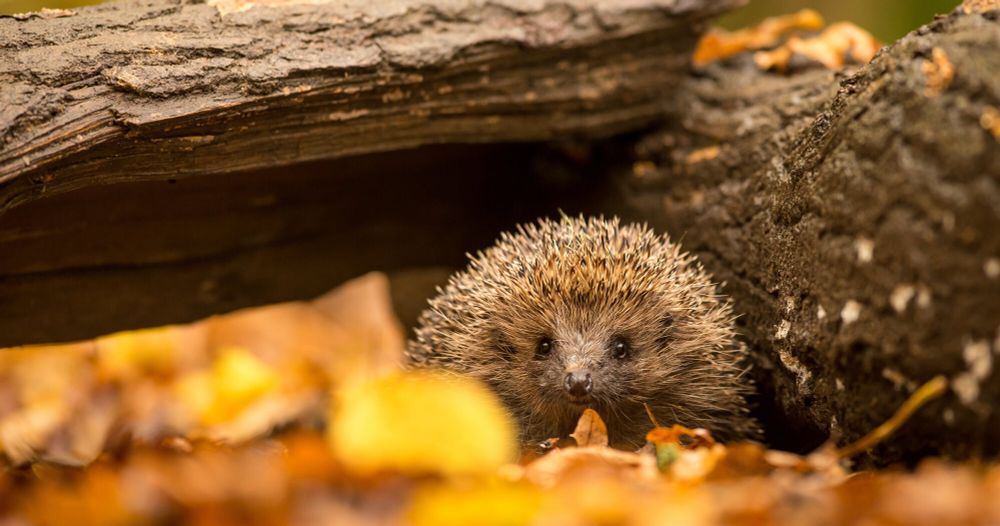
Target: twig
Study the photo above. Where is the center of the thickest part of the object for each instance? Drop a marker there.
(927, 392)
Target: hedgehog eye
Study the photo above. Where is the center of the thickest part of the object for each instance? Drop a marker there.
(544, 349)
(620, 348)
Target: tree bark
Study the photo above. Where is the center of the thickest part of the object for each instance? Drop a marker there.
(160, 89)
(855, 221)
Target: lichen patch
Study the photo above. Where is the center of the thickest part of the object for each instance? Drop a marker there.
(851, 312)
(865, 249)
(901, 297)
(978, 357)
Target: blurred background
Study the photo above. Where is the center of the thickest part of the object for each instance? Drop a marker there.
(886, 19)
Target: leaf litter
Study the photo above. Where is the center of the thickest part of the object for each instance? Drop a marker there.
(783, 42)
(299, 413)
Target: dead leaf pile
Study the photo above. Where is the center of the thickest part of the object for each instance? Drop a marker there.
(777, 41)
(226, 379)
(299, 414)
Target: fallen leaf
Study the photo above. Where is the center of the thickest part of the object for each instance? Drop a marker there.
(492, 503)
(590, 430)
(718, 44)
(562, 464)
(418, 422)
(980, 6)
(831, 48)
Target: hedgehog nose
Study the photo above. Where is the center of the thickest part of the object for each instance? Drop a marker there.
(578, 383)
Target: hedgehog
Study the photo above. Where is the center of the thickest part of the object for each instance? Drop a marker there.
(577, 313)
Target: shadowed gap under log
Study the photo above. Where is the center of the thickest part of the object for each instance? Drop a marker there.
(131, 255)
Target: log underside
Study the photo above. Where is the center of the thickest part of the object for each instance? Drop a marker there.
(852, 217)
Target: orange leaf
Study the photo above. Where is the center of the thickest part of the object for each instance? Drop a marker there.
(590, 430)
(681, 436)
(718, 44)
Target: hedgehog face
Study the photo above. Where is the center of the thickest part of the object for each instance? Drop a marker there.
(560, 357)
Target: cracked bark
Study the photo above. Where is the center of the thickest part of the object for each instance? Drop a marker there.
(855, 219)
(160, 89)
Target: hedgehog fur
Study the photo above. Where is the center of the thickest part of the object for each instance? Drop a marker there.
(564, 315)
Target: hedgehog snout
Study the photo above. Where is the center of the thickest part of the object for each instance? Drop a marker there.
(578, 383)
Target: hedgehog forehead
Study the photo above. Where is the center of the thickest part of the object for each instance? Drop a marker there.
(581, 295)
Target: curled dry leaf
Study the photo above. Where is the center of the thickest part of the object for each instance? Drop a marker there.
(831, 48)
(718, 44)
(590, 430)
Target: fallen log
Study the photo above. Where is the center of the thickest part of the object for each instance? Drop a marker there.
(161, 89)
(855, 220)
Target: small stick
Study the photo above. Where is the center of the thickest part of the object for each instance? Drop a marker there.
(649, 413)
(927, 392)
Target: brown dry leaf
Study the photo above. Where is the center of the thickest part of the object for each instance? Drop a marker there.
(718, 44)
(590, 430)
(229, 378)
(95, 498)
(831, 48)
(363, 308)
(563, 464)
(980, 6)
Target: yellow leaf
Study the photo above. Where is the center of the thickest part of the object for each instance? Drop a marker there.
(240, 377)
(237, 379)
(500, 504)
(420, 423)
(126, 354)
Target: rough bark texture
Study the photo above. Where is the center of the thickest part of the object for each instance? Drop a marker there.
(157, 89)
(855, 219)
(856, 223)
